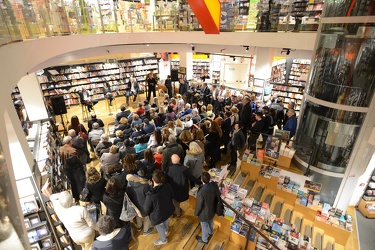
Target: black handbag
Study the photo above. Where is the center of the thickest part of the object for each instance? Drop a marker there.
(85, 195)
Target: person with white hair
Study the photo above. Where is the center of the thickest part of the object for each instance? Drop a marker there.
(103, 144)
(187, 110)
(67, 150)
(76, 219)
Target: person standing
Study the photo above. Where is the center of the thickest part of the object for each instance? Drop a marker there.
(76, 219)
(207, 198)
(159, 205)
(178, 177)
(134, 87)
(128, 86)
(246, 113)
(172, 148)
(151, 85)
(291, 123)
(206, 94)
(168, 85)
(237, 142)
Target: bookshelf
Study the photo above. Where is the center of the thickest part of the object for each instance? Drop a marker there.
(175, 64)
(69, 80)
(199, 67)
(289, 78)
(367, 204)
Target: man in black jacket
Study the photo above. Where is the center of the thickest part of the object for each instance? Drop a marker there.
(238, 141)
(246, 113)
(93, 120)
(178, 176)
(124, 113)
(159, 206)
(225, 127)
(207, 198)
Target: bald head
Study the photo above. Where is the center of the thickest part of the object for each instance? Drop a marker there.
(72, 132)
(175, 159)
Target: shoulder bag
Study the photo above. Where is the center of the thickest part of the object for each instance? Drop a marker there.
(82, 134)
(128, 209)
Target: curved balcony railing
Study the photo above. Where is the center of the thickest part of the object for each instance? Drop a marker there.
(32, 19)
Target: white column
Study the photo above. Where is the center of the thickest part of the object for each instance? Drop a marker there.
(186, 60)
(32, 97)
(263, 65)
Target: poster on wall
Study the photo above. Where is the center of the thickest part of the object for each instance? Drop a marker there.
(164, 65)
(226, 13)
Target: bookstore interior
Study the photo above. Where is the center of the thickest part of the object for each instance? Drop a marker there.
(268, 204)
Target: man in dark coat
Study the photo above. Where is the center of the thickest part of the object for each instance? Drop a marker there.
(246, 113)
(178, 176)
(207, 198)
(256, 128)
(159, 206)
(93, 120)
(172, 148)
(238, 141)
(206, 94)
(124, 113)
(151, 82)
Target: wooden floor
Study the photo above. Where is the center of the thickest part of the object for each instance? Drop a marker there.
(182, 231)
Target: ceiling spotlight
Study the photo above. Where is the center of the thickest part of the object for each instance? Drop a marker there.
(192, 48)
(247, 48)
(234, 59)
(287, 51)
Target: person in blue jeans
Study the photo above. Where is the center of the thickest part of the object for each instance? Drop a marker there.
(159, 205)
(206, 206)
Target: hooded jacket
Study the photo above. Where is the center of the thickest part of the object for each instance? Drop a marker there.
(137, 190)
(158, 203)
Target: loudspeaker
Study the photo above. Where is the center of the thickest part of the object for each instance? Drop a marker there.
(174, 75)
(58, 105)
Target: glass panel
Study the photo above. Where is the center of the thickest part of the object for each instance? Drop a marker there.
(333, 132)
(344, 68)
(336, 8)
(11, 222)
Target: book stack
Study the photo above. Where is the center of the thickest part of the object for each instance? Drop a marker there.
(218, 174)
(288, 185)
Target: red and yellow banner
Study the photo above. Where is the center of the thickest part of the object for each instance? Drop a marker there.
(208, 14)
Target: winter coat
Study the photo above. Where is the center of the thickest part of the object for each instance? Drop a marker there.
(177, 176)
(195, 164)
(76, 175)
(245, 115)
(158, 204)
(169, 150)
(205, 207)
(213, 145)
(97, 190)
(114, 206)
(238, 140)
(137, 190)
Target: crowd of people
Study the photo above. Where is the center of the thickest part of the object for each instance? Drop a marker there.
(157, 153)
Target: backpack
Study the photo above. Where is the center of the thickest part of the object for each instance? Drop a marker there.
(270, 121)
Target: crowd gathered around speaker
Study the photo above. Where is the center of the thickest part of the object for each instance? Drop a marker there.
(154, 155)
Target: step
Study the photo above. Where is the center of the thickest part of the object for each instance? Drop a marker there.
(230, 245)
(217, 241)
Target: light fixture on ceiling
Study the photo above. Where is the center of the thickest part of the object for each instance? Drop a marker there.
(287, 51)
(247, 48)
(192, 47)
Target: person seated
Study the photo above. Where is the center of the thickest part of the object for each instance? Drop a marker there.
(158, 156)
(147, 105)
(188, 122)
(137, 132)
(141, 110)
(110, 237)
(136, 120)
(196, 117)
(128, 148)
(170, 116)
(104, 144)
(148, 127)
(93, 120)
(187, 110)
(86, 99)
(141, 145)
(110, 158)
(179, 127)
(210, 113)
(123, 113)
(119, 137)
(203, 113)
(95, 134)
(124, 124)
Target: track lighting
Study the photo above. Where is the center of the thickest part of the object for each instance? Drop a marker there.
(247, 48)
(192, 47)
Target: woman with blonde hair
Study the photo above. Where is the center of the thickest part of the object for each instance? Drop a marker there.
(110, 158)
(234, 117)
(124, 124)
(214, 143)
(210, 113)
(179, 127)
(200, 139)
(184, 139)
(136, 120)
(194, 159)
(171, 127)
